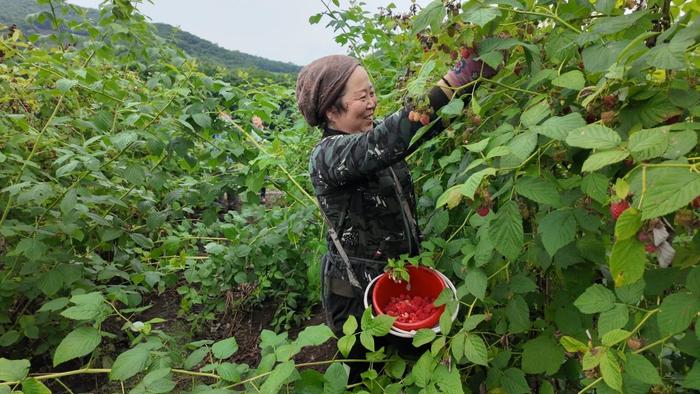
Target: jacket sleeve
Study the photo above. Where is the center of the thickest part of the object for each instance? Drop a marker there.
(341, 159)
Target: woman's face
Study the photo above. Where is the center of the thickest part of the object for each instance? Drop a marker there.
(359, 102)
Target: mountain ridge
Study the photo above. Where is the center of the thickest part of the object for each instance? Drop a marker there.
(16, 11)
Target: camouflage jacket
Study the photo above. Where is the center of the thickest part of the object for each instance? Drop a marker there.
(352, 180)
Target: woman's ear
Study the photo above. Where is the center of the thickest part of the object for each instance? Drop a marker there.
(331, 116)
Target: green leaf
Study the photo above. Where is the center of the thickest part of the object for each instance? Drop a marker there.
(367, 340)
(225, 348)
(617, 317)
(475, 350)
(506, 230)
(676, 312)
(477, 147)
(33, 386)
(472, 321)
(610, 369)
(379, 325)
(667, 190)
(82, 312)
(345, 344)
(130, 363)
(558, 127)
(350, 325)
(279, 375)
(13, 370)
(681, 143)
(423, 370)
(203, 120)
(627, 261)
(593, 136)
(614, 337)
(335, 379)
(423, 336)
(596, 186)
(469, 187)
(518, 315)
(395, 368)
(142, 240)
(538, 190)
(448, 380)
(314, 335)
(432, 15)
(535, 114)
(557, 229)
(453, 108)
(628, 224)
(196, 357)
(228, 372)
(481, 16)
(476, 283)
(54, 305)
(599, 160)
(597, 298)
(513, 381)
(692, 379)
(542, 355)
(64, 85)
(648, 144)
(641, 369)
(78, 343)
(570, 80)
(573, 345)
(498, 151)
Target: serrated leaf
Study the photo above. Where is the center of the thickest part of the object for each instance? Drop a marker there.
(481, 16)
(431, 15)
(475, 350)
(423, 336)
(196, 357)
(478, 146)
(593, 136)
(13, 370)
(648, 144)
(513, 382)
(599, 160)
(203, 120)
(667, 190)
(617, 317)
(596, 186)
(570, 80)
(476, 283)
(676, 312)
(453, 108)
(610, 369)
(641, 369)
(423, 369)
(573, 345)
(535, 114)
(506, 230)
(597, 298)
(277, 377)
(622, 188)
(627, 224)
(130, 363)
(558, 127)
(680, 143)
(335, 379)
(518, 314)
(33, 386)
(350, 325)
(345, 344)
(64, 85)
(78, 343)
(542, 355)
(225, 348)
(557, 229)
(469, 187)
(538, 190)
(314, 335)
(615, 336)
(498, 151)
(692, 379)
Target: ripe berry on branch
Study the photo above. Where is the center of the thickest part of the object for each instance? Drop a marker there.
(616, 208)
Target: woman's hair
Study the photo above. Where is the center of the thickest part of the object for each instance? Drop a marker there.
(321, 85)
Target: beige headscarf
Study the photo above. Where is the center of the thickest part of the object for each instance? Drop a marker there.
(320, 83)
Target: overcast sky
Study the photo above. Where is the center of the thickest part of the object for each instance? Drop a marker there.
(274, 29)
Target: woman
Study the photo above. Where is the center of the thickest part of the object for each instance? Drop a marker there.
(360, 178)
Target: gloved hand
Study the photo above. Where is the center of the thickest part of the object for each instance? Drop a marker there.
(468, 69)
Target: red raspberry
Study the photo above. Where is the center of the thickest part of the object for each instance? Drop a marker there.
(696, 202)
(650, 248)
(483, 211)
(617, 208)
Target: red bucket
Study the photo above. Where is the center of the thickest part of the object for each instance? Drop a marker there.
(423, 282)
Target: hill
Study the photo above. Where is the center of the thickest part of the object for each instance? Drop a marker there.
(16, 11)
